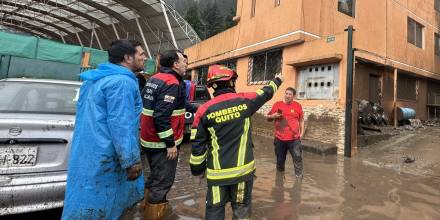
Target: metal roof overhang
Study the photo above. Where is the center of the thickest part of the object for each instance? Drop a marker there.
(96, 23)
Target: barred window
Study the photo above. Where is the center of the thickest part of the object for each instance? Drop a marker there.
(347, 7)
(264, 66)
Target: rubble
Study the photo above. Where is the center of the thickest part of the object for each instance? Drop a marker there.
(432, 123)
(371, 116)
(416, 123)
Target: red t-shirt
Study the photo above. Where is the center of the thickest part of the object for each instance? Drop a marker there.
(287, 128)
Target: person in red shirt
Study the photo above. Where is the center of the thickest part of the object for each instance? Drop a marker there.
(289, 129)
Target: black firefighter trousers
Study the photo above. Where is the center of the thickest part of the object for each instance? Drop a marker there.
(162, 174)
(240, 196)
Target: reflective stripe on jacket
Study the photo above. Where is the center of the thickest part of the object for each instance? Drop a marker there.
(163, 114)
(221, 136)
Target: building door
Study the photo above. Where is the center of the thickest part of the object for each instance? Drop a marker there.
(374, 88)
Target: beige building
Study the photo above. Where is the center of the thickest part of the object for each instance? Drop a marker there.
(396, 48)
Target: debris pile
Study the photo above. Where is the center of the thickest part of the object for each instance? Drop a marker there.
(432, 123)
(371, 116)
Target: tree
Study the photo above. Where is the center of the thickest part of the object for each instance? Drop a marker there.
(228, 18)
(213, 22)
(193, 18)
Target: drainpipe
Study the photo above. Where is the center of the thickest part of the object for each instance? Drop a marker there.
(349, 92)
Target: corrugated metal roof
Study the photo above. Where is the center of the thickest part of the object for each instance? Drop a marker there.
(74, 21)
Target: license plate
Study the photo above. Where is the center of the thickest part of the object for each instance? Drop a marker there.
(18, 156)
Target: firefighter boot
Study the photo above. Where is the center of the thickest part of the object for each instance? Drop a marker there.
(155, 211)
(241, 211)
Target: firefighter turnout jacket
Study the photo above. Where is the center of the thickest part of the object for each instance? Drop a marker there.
(163, 114)
(221, 135)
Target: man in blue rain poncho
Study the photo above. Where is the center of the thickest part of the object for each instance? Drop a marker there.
(105, 173)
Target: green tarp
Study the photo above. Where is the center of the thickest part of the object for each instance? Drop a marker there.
(96, 56)
(54, 51)
(43, 49)
(150, 66)
(42, 69)
(17, 45)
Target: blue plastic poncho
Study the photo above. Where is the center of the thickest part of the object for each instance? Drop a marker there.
(105, 143)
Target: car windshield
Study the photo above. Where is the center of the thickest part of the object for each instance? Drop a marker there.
(38, 97)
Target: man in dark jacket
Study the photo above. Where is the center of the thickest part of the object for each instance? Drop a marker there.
(222, 143)
(162, 126)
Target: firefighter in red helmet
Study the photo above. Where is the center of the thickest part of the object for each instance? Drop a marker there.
(222, 142)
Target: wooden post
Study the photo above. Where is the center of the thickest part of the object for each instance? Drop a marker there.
(395, 98)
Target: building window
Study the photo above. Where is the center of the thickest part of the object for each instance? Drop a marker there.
(415, 33)
(277, 3)
(254, 2)
(437, 5)
(347, 7)
(437, 44)
(406, 87)
(264, 66)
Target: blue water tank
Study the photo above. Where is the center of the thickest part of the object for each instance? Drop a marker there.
(406, 113)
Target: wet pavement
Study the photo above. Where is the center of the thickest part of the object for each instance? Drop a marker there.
(380, 182)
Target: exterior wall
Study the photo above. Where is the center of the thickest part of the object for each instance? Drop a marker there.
(267, 29)
(380, 35)
(388, 92)
(312, 32)
(307, 51)
(419, 105)
(362, 80)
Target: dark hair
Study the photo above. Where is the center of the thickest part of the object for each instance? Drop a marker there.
(119, 48)
(292, 90)
(168, 58)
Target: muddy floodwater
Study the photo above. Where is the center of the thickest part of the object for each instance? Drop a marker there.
(395, 179)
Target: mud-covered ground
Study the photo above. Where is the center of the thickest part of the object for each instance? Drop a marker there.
(395, 179)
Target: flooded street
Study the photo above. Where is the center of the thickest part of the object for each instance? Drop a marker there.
(374, 184)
